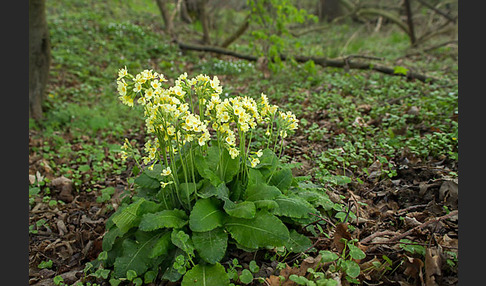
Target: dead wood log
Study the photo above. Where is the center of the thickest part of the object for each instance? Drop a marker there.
(345, 62)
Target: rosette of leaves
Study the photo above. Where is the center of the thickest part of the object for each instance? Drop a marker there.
(152, 238)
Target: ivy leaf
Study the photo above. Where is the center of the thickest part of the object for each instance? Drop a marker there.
(167, 218)
(262, 231)
(206, 215)
(356, 252)
(328, 256)
(352, 268)
(182, 240)
(246, 277)
(211, 245)
(207, 275)
(298, 242)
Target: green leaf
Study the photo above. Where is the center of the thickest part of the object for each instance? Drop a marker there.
(269, 205)
(149, 277)
(167, 218)
(294, 207)
(298, 242)
(186, 190)
(128, 218)
(301, 280)
(262, 231)
(246, 277)
(136, 255)
(253, 266)
(211, 245)
(206, 215)
(412, 248)
(182, 240)
(282, 179)
(400, 70)
(355, 252)
(206, 275)
(352, 268)
(110, 237)
(162, 246)
(145, 181)
(261, 191)
(131, 275)
(268, 160)
(328, 256)
(244, 209)
(205, 170)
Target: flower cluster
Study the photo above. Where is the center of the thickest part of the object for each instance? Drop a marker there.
(173, 119)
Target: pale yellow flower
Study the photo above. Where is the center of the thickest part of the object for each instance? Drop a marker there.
(233, 152)
(166, 172)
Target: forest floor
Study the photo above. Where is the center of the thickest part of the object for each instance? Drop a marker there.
(382, 146)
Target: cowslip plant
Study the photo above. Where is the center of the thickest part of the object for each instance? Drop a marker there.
(202, 187)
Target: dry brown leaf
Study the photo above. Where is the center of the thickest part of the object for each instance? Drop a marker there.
(341, 232)
(432, 266)
(413, 268)
(273, 280)
(449, 193)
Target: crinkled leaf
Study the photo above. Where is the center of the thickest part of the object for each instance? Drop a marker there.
(155, 173)
(162, 246)
(263, 230)
(298, 242)
(268, 160)
(145, 181)
(128, 218)
(110, 237)
(211, 245)
(206, 215)
(269, 205)
(206, 171)
(294, 207)
(243, 209)
(261, 191)
(206, 275)
(167, 218)
(186, 190)
(136, 255)
(282, 179)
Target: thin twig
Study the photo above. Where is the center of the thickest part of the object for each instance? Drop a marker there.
(367, 239)
(400, 236)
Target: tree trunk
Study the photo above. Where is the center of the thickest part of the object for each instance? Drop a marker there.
(169, 26)
(39, 56)
(411, 30)
(203, 17)
(328, 10)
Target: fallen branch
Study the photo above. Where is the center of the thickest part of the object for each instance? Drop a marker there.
(324, 62)
(400, 236)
